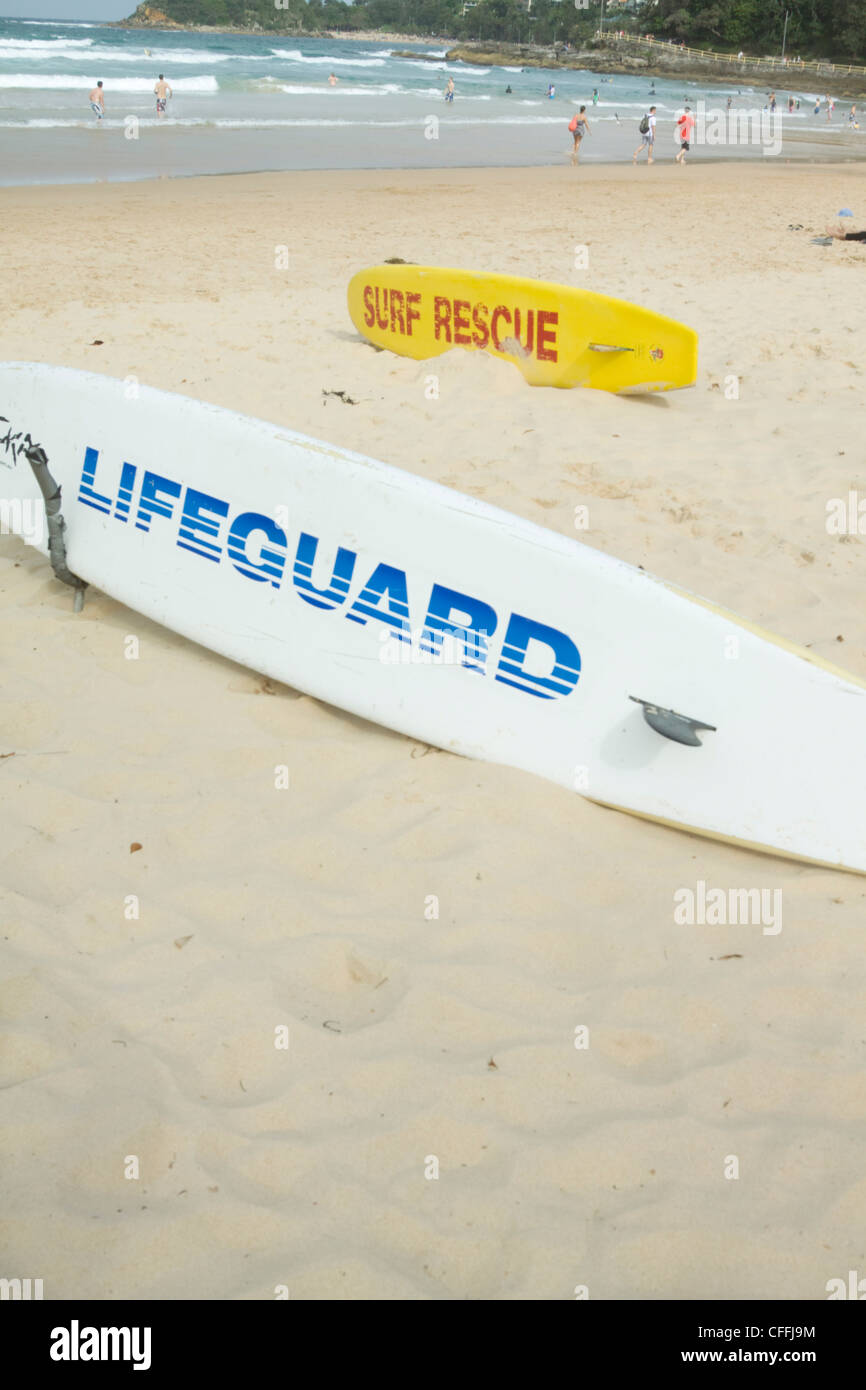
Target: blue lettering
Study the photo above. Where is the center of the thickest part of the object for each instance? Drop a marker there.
(86, 492)
(193, 519)
(150, 503)
(473, 624)
(566, 659)
(124, 492)
(271, 561)
(385, 580)
(341, 576)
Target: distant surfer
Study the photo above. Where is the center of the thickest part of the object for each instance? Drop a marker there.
(508, 91)
(162, 91)
(578, 125)
(647, 130)
(97, 101)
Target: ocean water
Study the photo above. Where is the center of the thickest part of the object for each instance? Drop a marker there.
(253, 102)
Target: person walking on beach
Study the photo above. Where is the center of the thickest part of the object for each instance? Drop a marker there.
(97, 101)
(162, 92)
(647, 130)
(595, 96)
(578, 125)
(684, 131)
(449, 90)
(551, 91)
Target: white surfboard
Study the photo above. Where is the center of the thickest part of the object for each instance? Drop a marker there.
(439, 616)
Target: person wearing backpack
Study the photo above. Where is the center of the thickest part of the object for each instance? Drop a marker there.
(647, 130)
(578, 125)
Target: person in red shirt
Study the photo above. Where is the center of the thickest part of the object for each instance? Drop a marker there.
(685, 125)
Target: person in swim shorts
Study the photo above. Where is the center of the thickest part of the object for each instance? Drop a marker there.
(162, 92)
(97, 101)
(578, 129)
(647, 141)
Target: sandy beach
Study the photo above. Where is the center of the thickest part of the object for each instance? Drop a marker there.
(153, 1035)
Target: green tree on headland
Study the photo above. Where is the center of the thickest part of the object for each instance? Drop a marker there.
(824, 28)
(821, 28)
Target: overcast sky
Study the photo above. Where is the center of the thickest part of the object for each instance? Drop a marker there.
(66, 9)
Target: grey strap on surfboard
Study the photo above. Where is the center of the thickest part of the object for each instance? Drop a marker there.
(50, 490)
(678, 727)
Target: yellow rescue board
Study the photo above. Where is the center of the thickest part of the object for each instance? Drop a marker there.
(555, 335)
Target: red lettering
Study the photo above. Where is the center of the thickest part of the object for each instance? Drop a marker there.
(382, 319)
(369, 316)
(462, 325)
(397, 312)
(412, 298)
(530, 323)
(481, 336)
(545, 335)
(442, 317)
(499, 312)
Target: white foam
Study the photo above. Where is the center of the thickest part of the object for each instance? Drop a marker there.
(45, 43)
(386, 89)
(294, 55)
(107, 55)
(56, 82)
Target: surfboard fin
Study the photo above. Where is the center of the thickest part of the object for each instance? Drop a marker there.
(678, 727)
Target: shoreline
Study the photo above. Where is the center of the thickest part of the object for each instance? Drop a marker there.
(834, 157)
